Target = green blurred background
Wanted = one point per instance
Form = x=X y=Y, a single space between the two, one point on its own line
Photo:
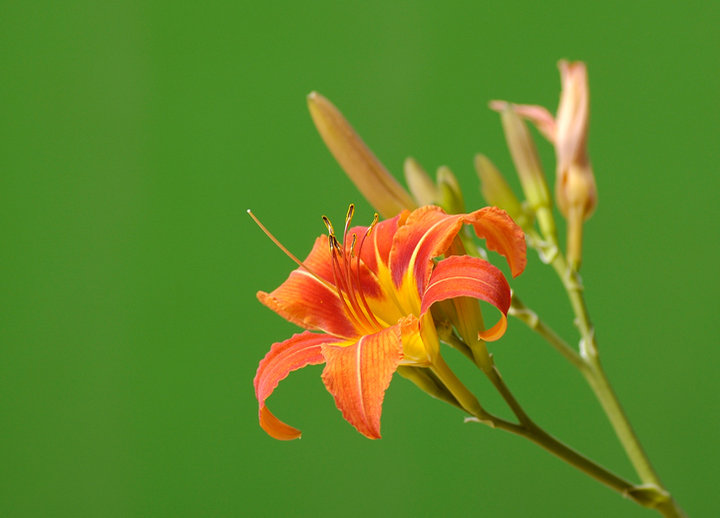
x=136 y=134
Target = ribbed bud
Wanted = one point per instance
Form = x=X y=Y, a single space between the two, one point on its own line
x=527 y=162
x=451 y=198
x=421 y=186
x=364 y=169
x=496 y=190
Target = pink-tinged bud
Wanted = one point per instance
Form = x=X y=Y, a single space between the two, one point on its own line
x=575 y=187
x=575 y=184
x=364 y=169
x=496 y=190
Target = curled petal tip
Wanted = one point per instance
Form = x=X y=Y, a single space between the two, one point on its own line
x=275 y=428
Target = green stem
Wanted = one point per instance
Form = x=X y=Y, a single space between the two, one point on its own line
x=653 y=496
x=527 y=429
x=496 y=379
x=466 y=398
x=648 y=496
x=533 y=432
x=597 y=379
x=531 y=319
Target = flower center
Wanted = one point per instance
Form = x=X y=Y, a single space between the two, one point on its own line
x=347 y=268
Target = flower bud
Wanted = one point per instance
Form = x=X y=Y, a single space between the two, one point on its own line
x=575 y=188
x=364 y=169
x=526 y=160
x=451 y=198
x=496 y=190
x=422 y=187
x=426 y=380
x=575 y=184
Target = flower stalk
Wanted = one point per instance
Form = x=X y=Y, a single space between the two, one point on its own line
x=587 y=361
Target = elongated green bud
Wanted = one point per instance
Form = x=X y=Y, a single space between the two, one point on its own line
x=428 y=382
x=526 y=160
x=451 y=198
x=422 y=187
x=496 y=190
x=364 y=169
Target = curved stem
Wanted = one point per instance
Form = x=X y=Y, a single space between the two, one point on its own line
x=648 y=496
x=467 y=399
x=653 y=496
x=596 y=378
x=520 y=311
x=595 y=375
x=496 y=379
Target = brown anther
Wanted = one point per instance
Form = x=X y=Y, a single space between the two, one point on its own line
x=352 y=244
x=349 y=216
x=329 y=226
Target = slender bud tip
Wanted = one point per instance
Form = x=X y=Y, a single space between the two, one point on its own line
x=498 y=106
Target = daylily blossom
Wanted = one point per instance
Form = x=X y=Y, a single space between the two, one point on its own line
x=365 y=301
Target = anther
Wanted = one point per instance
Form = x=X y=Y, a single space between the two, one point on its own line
x=348 y=218
x=372 y=225
x=329 y=226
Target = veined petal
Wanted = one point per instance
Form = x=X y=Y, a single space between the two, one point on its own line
x=284 y=357
x=376 y=250
x=501 y=235
x=466 y=276
x=307 y=301
x=427 y=233
x=358 y=375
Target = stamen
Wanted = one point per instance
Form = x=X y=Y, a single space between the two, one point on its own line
x=352 y=245
x=357 y=269
x=372 y=225
x=348 y=219
x=348 y=285
x=329 y=226
x=286 y=251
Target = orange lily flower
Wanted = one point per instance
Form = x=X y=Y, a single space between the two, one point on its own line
x=369 y=297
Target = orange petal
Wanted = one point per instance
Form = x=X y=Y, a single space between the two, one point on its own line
x=427 y=233
x=466 y=276
x=284 y=357
x=378 y=244
x=358 y=375
x=306 y=301
x=502 y=235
